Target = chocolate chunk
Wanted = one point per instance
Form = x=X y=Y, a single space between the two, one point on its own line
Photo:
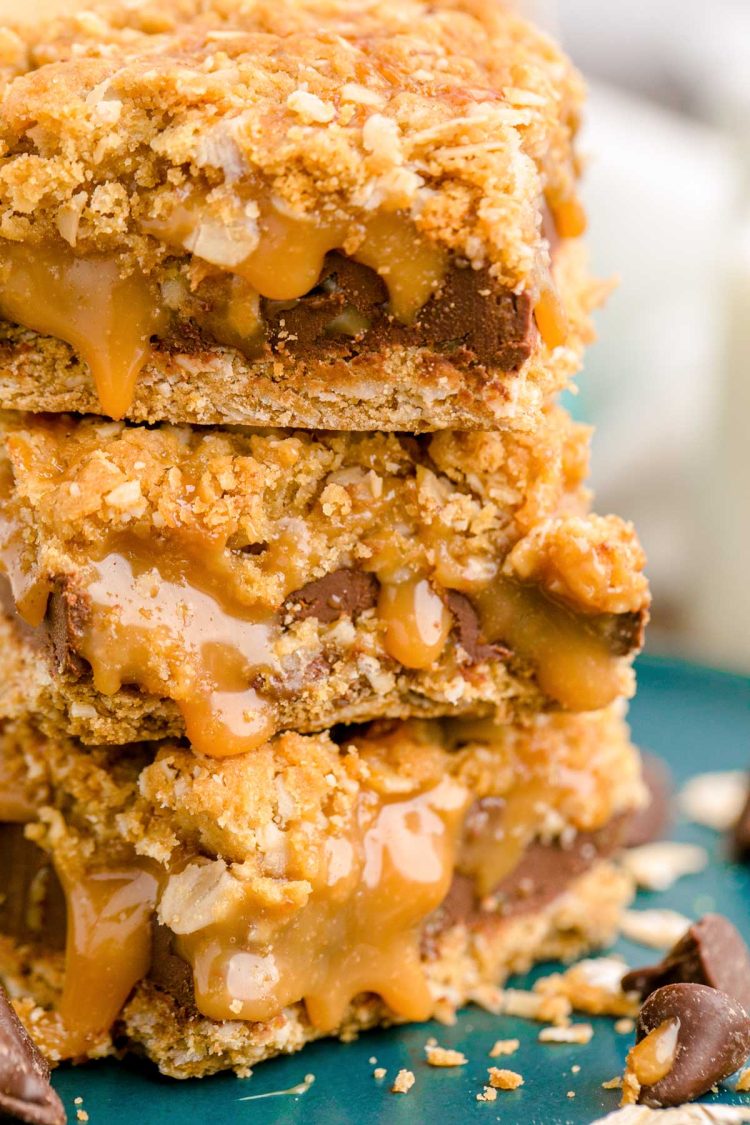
x=25 y=1090
x=346 y=592
x=67 y=614
x=713 y=1040
x=740 y=837
x=469 y=317
x=26 y=915
x=168 y=970
x=545 y=870
x=468 y=634
x=712 y=952
x=652 y=821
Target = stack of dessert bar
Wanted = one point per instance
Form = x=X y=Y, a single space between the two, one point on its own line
x=314 y=654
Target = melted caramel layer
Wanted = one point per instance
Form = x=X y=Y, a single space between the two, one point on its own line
x=108 y=319
x=107 y=951
x=358 y=931
x=573 y=666
x=288 y=258
x=160 y=631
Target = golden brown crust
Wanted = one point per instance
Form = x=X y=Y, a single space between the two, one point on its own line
x=458 y=112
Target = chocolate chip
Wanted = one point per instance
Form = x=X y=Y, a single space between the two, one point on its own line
x=25 y=1090
x=467 y=630
x=713 y=1040
x=740 y=838
x=651 y=822
x=712 y=952
x=345 y=592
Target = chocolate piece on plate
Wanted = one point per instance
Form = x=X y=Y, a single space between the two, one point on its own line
x=25 y=1090
x=688 y=1038
x=712 y=952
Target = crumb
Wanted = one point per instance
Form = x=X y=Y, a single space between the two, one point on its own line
x=657 y=866
x=576 y=1033
x=631 y=1088
x=592 y=986
x=571 y=1093
x=404 y=1081
x=78 y=1100
x=743 y=1082
x=519 y=1002
x=714 y=799
x=612 y=1083
x=444 y=1056
x=501 y=1079
x=575 y=1069
x=82 y=1115
x=504 y=1047
x=660 y=929
x=379 y=1072
x=372 y=1060
x=489 y=1094
x=624 y=1026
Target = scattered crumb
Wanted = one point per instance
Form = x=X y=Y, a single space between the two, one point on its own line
x=659 y=929
x=714 y=799
x=78 y=1100
x=612 y=1083
x=624 y=1026
x=489 y=1094
x=571 y=1093
x=444 y=1056
x=743 y=1082
x=404 y=1081
x=576 y=1033
x=82 y=1115
x=526 y=1005
x=592 y=986
x=630 y=1087
x=501 y=1079
x=379 y=1072
x=657 y=866
x=575 y=1069
x=504 y=1047
x=372 y=1060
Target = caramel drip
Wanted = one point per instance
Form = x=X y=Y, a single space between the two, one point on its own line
x=358 y=931
x=499 y=832
x=573 y=666
x=417 y=622
x=569 y=217
x=162 y=632
x=653 y=1058
x=550 y=318
x=288 y=259
x=107 y=951
x=108 y=318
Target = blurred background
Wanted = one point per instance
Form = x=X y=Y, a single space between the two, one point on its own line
x=667 y=137
x=668 y=383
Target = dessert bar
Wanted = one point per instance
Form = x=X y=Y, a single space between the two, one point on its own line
x=228 y=584
x=224 y=214
x=220 y=912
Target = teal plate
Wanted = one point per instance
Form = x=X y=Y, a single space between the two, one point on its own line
x=695 y=718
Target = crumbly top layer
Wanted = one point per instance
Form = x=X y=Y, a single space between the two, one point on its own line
x=454 y=112
x=341 y=498
x=271 y=809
